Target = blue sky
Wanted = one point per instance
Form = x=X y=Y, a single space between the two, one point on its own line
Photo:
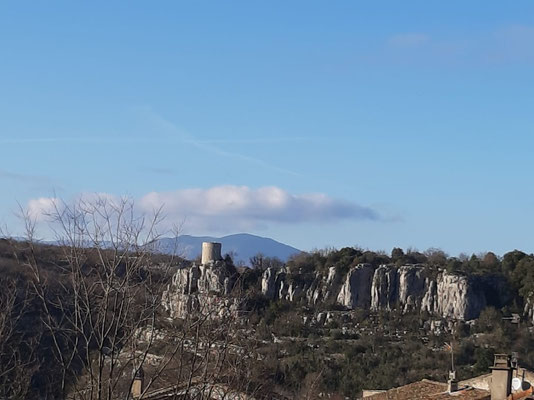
x=316 y=123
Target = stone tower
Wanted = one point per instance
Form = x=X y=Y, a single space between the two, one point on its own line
x=211 y=252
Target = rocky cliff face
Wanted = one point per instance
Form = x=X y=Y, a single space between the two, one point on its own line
x=529 y=308
x=453 y=296
x=357 y=287
x=402 y=287
x=199 y=289
x=276 y=285
x=406 y=288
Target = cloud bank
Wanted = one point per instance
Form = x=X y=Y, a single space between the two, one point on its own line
x=230 y=208
x=507 y=44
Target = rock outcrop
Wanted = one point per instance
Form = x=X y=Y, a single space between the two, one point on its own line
x=453 y=296
x=356 y=290
x=528 y=309
x=398 y=287
x=207 y=288
x=275 y=285
x=200 y=288
x=406 y=288
x=271 y=283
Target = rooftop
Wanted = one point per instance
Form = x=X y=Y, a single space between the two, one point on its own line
x=429 y=390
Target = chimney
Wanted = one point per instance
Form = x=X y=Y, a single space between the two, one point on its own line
x=501 y=377
x=211 y=251
x=452 y=383
x=138 y=381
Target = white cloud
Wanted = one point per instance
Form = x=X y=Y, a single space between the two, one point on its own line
x=408 y=40
x=507 y=44
x=522 y=34
x=48 y=208
x=230 y=208
x=513 y=43
x=39 y=208
x=240 y=207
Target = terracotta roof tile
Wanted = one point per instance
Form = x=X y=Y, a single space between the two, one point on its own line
x=429 y=390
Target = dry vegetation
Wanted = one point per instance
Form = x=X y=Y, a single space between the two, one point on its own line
x=81 y=319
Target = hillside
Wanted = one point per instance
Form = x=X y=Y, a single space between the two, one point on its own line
x=332 y=322
x=340 y=321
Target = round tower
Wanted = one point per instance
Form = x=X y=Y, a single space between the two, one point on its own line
x=211 y=251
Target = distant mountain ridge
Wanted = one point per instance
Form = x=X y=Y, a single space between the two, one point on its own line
x=243 y=246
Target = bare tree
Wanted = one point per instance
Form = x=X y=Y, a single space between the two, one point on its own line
x=17 y=355
x=108 y=289
x=104 y=317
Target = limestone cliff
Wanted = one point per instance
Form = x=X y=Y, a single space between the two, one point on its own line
x=357 y=287
x=416 y=288
x=453 y=296
x=405 y=288
x=529 y=308
x=199 y=288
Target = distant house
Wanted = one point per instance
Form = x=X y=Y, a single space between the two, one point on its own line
x=505 y=382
